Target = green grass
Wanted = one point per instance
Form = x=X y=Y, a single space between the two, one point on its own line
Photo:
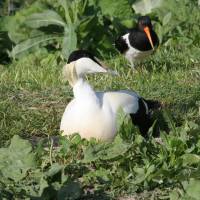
x=33 y=97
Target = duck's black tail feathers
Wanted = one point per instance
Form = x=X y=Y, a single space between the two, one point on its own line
x=143 y=117
x=152 y=104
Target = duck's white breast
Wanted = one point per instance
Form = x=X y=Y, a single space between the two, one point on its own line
x=87 y=116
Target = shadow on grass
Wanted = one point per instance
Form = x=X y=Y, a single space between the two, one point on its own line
x=160 y=123
x=97 y=195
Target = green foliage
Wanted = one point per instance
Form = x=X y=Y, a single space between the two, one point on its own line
x=46 y=18
x=176 y=25
x=111 y=8
x=16 y=160
x=14 y=25
x=32 y=44
x=193 y=188
x=32 y=100
x=33 y=97
x=13 y=31
x=94 y=24
x=64 y=22
x=5 y=45
x=145 y=7
x=67 y=171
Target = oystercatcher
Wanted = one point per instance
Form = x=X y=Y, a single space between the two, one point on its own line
x=139 y=42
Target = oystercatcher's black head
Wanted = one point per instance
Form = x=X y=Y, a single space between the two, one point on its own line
x=144 y=24
x=144 y=21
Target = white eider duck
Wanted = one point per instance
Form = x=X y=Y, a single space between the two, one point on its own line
x=93 y=114
x=139 y=42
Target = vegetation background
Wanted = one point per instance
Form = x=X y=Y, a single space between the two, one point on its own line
x=36 y=38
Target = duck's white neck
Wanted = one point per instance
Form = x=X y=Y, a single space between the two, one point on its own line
x=82 y=90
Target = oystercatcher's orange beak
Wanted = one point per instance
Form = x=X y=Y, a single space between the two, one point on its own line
x=147 y=31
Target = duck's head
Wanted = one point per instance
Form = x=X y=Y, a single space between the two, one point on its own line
x=144 y=24
x=81 y=62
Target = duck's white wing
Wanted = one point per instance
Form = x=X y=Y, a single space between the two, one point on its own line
x=127 y=100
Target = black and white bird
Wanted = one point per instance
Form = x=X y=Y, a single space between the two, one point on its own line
x=139 y=42
x=93 y=114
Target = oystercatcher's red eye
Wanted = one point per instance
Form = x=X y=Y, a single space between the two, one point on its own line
x=141 y=23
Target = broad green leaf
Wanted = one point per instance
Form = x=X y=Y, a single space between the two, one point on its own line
x=76 y=139
x=146 y=6
x=43 y=185
x=28 y=45
x=105 y=151
x=125 y=127
x=191 y=124
x=120 y=9
x=190 y=159
x=174 y=195
x=69 y=41
x=17 y=159
x=100 y=174
x=121 y=115
x=69 y=191
x=150 y=170
x=65 y=5
x=193 y=188
x=140 y=175
x=117 y=148
x=167 y=18
x=46 y=18
x=95 y=152
x=54 y=169
x=15 y=25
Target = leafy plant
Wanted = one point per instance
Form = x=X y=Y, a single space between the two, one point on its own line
x=145 y=7
x=94 y=24
x=5 y=46
x=176 y=25
x=70 y=24
x=19 y=159
x=50 y=17
x=33 y=98
x=79 y=168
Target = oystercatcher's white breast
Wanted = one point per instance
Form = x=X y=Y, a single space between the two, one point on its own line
x=132 y=54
